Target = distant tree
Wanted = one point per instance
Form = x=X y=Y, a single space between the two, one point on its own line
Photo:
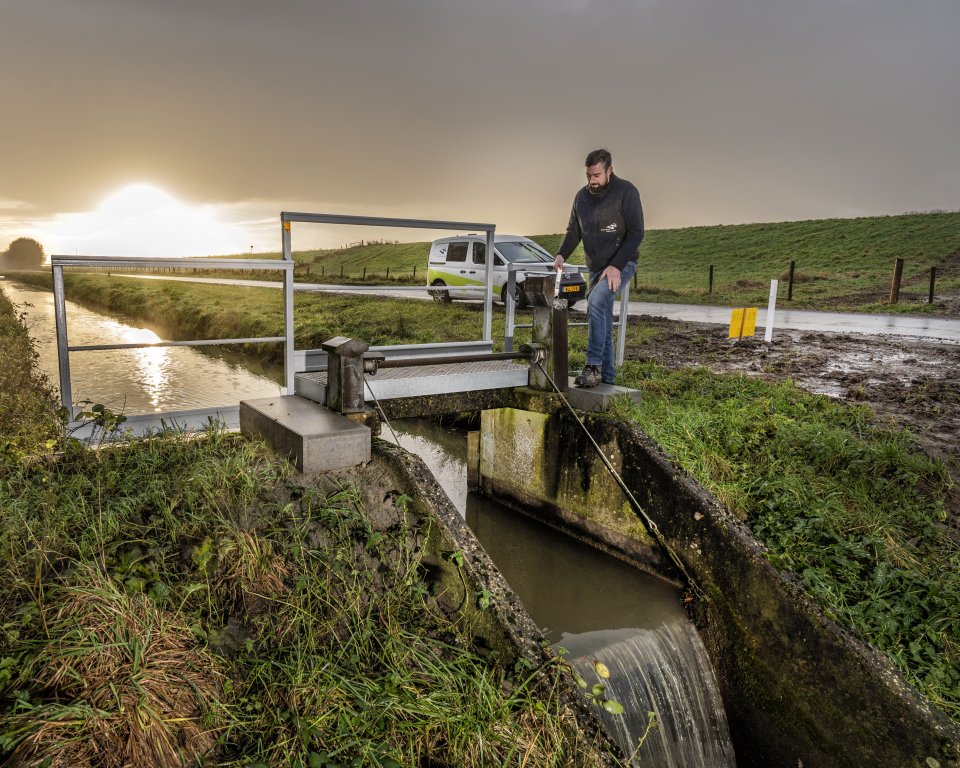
x=23 y=253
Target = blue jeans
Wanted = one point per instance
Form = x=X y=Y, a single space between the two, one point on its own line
x=600 y=315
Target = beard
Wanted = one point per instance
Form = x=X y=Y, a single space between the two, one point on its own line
x=598 y=189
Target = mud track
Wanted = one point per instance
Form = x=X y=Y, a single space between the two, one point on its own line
x=907 y=382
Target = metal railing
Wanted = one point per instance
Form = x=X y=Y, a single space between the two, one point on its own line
x=287 y=218
x=511 y=325
x=57 y=264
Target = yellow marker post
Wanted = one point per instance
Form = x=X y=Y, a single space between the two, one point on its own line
x=743 y=322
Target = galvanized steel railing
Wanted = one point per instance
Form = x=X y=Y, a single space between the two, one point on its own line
x=64 y=349
x=285 y=264
x=511 y=325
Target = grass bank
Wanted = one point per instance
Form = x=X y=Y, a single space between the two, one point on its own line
x=856 y=511
x=840 y=263
x=182 y=600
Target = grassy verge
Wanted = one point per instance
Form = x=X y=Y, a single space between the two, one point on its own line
x=181 y=600
x=855 y=510
x=27 y=417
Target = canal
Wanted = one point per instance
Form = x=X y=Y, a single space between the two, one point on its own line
x=137 y=381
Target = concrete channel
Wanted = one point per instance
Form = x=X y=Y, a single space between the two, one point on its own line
x=798 y=689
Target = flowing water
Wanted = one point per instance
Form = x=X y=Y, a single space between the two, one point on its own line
x=597 y=608
x=135 y=381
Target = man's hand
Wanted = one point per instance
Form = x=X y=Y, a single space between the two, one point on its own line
x=612 y=275
x=558 y=262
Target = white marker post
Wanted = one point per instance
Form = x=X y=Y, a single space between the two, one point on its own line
x=771 y=310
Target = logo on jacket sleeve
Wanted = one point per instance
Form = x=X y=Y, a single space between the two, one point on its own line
x=610 y=228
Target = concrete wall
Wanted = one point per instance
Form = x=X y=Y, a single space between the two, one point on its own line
x=544 y=464
x=503 y=631
x=799 y=690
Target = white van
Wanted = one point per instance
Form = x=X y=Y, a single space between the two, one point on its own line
x=461 y=261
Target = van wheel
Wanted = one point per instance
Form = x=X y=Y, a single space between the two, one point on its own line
x=519 y=297
x=571 y=302
x=441 y=297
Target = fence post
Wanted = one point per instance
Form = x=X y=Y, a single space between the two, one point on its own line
x=414 y=270
x=323 y=271
x=793 y=264
x=895 y=286
x=388 y=273
x=711 y=279
x=933 y=280
x=364 y=273
x=341 y=270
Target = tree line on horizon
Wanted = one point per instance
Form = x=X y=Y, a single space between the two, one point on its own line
x=24 y=253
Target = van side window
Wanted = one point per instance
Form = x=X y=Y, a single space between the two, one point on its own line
x=457 y=252
x=479 y=253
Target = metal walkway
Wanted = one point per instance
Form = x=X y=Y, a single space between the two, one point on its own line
x=419 y=381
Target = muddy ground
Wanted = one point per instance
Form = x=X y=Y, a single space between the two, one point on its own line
x=908 y=382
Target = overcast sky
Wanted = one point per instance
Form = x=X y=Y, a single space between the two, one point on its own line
x=720 y=111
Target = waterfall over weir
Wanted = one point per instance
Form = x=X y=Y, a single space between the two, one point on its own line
x=663 y=670
x=598 y=607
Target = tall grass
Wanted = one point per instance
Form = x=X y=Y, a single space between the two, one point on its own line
x=853 y=508
x=182 y=600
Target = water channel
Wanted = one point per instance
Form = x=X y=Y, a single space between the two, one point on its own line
x=136 y=381
x=596 y=607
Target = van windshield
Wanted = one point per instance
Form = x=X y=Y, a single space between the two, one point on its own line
x=519 y=252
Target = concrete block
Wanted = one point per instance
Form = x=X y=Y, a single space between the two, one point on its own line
x=315 y=438
x=598 y=398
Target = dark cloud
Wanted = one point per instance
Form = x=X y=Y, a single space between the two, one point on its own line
x=719 y=111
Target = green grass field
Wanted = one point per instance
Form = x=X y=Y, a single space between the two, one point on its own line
x=840 y=263
x=856 y=510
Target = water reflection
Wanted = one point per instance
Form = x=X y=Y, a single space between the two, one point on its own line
x=135 y=381
x=567 y=587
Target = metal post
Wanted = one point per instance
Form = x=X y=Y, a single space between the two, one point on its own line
x=488 y=294
x=63 y=355
x=511 y=309
x=549 y=331
x=933 y=280
x=895 y=285
x=793 y=264
x=711 y=279
x=622 y=324
x=771 y=310
x=288 y=345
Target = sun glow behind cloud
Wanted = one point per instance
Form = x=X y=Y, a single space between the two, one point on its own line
x=143 y=220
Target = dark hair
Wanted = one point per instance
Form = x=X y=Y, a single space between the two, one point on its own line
x=599 y=156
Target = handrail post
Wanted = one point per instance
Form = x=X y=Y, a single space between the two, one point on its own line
x=288 y=344
x=622 y=324
x=63 y=353
x=488 y=294
x=510 y=307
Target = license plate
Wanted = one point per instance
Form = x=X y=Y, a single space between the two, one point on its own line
x=571 y=289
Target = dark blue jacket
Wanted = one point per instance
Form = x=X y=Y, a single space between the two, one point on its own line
x=610 y=224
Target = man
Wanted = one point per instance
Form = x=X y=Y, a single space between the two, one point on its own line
x=608 y=218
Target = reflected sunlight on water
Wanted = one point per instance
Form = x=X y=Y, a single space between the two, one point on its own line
x=134 y=381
